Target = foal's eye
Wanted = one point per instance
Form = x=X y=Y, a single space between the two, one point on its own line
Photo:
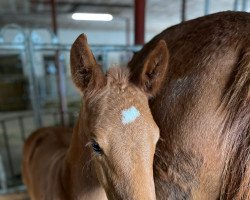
x=96 y=148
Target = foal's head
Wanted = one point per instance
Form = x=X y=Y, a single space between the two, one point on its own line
x=117 y=120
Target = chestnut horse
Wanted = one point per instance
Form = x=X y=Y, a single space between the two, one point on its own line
x=199 y=101
x=203 y=109
x=113 y=142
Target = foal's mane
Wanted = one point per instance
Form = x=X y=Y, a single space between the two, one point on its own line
x=236 y=176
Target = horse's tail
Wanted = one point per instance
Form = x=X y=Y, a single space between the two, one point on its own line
x=236 y=176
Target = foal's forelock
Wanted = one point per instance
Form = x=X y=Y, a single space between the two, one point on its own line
x=115 y=77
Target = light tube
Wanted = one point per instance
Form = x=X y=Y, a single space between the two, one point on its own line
x=92 y=16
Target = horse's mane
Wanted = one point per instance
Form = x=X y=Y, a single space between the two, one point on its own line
x=236 y=135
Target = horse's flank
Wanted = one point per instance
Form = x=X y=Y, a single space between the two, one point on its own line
x=203 y=110
x=46 y=147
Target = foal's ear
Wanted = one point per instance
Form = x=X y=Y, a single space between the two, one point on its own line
x=154 y=69
x=85 y=71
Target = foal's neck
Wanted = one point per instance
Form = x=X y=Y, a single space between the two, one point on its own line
x=79 y=174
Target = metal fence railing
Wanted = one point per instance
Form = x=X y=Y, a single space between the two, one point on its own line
x=13 y=138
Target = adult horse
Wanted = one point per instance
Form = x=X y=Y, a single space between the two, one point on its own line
x=203 y=109
x=113 y=142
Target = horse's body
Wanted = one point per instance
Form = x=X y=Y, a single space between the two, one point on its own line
x=202 y=111
x=48 y=169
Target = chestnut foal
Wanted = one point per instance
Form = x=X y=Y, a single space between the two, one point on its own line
x=110 y=153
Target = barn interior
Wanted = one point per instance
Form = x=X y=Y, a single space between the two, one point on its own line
x=36 y=89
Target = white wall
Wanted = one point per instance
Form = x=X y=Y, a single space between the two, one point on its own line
x=99 y=37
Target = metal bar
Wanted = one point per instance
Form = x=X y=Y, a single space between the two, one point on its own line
x=80 y=3
x=236 y=5
x=7 y=147
x=207 y=6
x=26 y=8
x=139 y=25
x=33 y=89
x=183 y=10
x=127 y=21
x=12 y=47
x=244 y=5
x=15 y=189
x=14 y=117
x=22 y=130
x=3 y=177
x=104 y=61
x=12 y=6
x=62 y=90
x=53 y=16
x=60 y=72
x=55 y=118
x=50 y=47
x=66 y=47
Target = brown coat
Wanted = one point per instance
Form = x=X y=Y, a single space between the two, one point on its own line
x=203 y=109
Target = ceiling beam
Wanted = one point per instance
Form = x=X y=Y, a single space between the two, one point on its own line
x=74 y=6
x=63 y=3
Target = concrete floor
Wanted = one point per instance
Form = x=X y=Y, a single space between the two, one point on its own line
x=16 y=196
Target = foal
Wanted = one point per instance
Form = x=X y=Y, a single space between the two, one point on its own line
x=110 y=153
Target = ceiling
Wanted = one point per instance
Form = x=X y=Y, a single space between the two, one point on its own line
x=159 y=13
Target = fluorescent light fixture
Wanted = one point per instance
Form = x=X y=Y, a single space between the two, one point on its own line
x=92 y=16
